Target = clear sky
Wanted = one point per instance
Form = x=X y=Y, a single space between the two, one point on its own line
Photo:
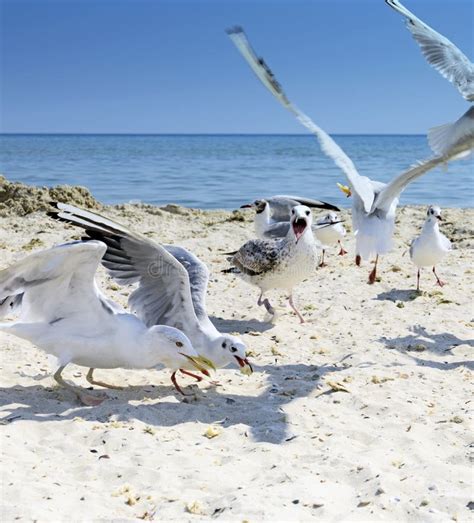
x=167 y=66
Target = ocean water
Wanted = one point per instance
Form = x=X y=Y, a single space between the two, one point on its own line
x=224 y=171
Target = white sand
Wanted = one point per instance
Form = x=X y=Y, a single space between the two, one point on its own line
x=395 y=447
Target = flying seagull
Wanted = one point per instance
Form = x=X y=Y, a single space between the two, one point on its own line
x=451 y=63
x=374 y=203
x=64 y=313
x=172 y=284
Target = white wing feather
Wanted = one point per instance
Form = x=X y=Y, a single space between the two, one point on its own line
x=440 y=52
x=360 y=184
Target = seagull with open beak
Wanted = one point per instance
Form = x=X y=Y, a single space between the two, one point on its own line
x=280 y=263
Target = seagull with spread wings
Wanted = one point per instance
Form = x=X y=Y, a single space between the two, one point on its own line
x=374 y=203
x=172 y=284
x=453 y=65
x=62 y=311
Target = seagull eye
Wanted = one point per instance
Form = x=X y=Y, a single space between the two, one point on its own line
x=179 y=344
x=293 y=211
x=307 y=213
x=233 y=349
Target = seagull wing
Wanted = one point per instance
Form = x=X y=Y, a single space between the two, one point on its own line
x=392 y=190
x=257 y=257
x=163 y=295
x=440 y=52
x=444 y=137
x=198 y=274
x=56 y=282
x=281 y=205
x=360 y=185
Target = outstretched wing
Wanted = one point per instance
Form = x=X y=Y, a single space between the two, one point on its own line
x=281 y=205
x=392 y=190
x=257 y=256
x=359 y=184
x=54 y=281
x=163 y=295
x=440 y=52
x=198 y=275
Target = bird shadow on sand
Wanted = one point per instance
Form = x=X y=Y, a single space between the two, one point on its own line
x=241 y=326
x=398 y=295
x=262 y=415
x=422 y=341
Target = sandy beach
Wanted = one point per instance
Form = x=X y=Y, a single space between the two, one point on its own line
x=360 y=414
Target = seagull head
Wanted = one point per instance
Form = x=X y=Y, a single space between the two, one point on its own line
x=434 y=214
x=300 y=220
x=329 y=218
x=234 y=352
x=172 y=348
x=258 y=205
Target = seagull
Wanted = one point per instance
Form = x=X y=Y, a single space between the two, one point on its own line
x=374 y=203
x=431 y=246
x=172 y=284
x=329 y=230
x=63 y=312
x=272 y=215
x=279 y=264
x=451 y=63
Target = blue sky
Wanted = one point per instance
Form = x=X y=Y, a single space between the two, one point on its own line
x=166 y=66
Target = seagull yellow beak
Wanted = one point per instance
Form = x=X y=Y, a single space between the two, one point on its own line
x=200 y=362
x=345 y=189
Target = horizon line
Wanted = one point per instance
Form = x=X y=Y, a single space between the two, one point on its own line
x=197 y=134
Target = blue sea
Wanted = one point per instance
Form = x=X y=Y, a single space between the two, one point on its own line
x=224 y=171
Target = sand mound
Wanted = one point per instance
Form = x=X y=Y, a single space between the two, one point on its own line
x=18 y=199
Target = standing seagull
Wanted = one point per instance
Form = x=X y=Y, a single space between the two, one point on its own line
x=172 y=284
x=431 y=246
x=451 y=63
x=374 y=203
x=63 y=312
x=329 y=230
x=279 y=264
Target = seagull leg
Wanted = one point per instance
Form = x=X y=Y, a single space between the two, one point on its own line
x=438 y=281
x=199 y=378
x=373 y=273
x=322 y=264
x=357 y=260
x=87 y=399
x=195 y=376
x=267 y=304
x=342 y=251
x=297 y=312
x=92 y=381
x=418 y=281
x=175 y=383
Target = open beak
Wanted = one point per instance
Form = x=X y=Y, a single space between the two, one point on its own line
x=299 y=227
x=245 y=366
x=200 y=362
x=246 y=206
x=345 y=189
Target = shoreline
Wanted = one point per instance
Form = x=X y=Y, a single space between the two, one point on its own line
x=393 y=446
